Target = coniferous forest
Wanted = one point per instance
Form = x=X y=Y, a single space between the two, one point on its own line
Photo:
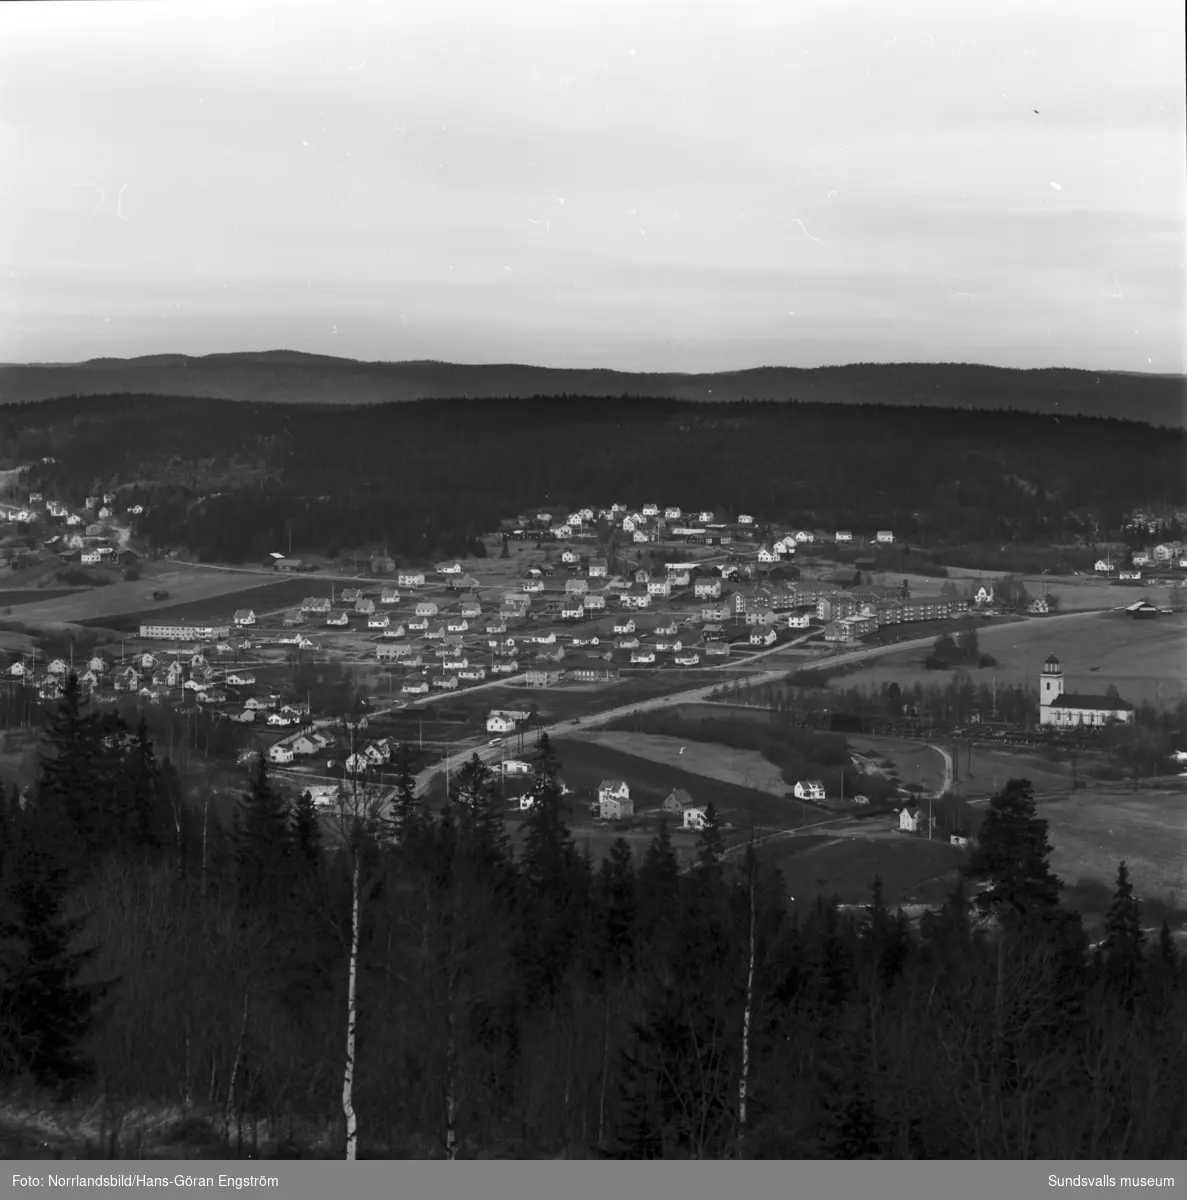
x=390 y=981
x=430 y=478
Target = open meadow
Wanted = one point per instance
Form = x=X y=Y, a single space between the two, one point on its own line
x=1146 y=660
x=584 y=764
x=745 y=768
x=1091 y=832
x=184 y=583
x=909 y=761
x=912 y=868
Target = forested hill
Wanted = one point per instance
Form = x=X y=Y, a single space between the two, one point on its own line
x=231 y=479
x=292 y=377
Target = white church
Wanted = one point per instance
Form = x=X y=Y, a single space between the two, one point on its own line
x=1066 y=710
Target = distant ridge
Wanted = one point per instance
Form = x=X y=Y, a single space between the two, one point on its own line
x=290 y=376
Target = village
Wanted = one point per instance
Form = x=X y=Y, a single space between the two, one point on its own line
x=577 y=605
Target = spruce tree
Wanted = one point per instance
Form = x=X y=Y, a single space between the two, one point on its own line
x=307 y=832
x=264 y=844
x=404 y=807
x=145 y=800
x=1011 y=859
x=1123 y=949
x=659 y=884
x=46 y=1013
x=616 y=909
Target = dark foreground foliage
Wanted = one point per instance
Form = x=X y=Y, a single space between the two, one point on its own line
x=539 y=1003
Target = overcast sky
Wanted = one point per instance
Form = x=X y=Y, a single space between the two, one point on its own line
x=651 y=185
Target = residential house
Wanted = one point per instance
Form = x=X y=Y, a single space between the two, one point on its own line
x=809 y=789
x=364 y=605
x=532 y=586
x=1129 y=575
x=843 y=535
x=389 y=595
x=471 y=609
x=695 y=817
x=642 y=657
x=89 y=558
x=687 y=658
x=338 y=618
x=280 y=753
x=449 y=568
x=627 y=626
x=850 y=629
x=378 y=621
x=672 y=513
x=659 y=587
x=798 y=621
x=352 y=595
x=598 y=568
x=707 y=589
x=240 y=678
x=415 y=687
x=766 y=554
x=572 y=610
x=1103 y=566
x=763 y=637
x=576 y=587
x=108 y=497
x=410 y=579
x=909 y=819
x=316 y=604
x=595 y=602
x=705 y=517
x=447 y=683
x=884 y=537
x=613 y=790
x=74 y=519
x=497 y=627
x=1038 y=606
x=677 y=801
x=543 y=677
x=457 y=625
x=426 y=608
x=245 y=616
x=983 y=595
x=715 y=613
x=745 y=519
x=137 y=510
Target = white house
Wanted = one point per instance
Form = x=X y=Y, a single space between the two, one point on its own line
x=410 y=579
x=613 y=789
x=1140 y=558
x=449 y=568
x=843 y=535
x=1103 y=566
x=280 y=754
x=763 y=637
x=642 y=657
x=659 y=587
x=957 y=840
x=389 y=595
x=884 y=537
x=672 y=513
x=105 y=513
x=338 y=618
x=707 y=589
x=245 y=616
x=809 y=789
x=909 y=819
x=415 y=687
x=745 y=519
x=627 y=626
x=689 y=658
x=90 y=557
x=515 y=766
x=499 y=722
x=597 y=568
x=378 y=621
x=804 y=536
x=983 y=595
x=695 y=816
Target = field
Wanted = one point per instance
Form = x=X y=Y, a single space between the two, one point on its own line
x=912 y=868
x=584 y=764
x=1091 y=832
x=264 y=595
x=744 y=768
x=184 y=583
x=914 y=762
x=1144 y=659
x=15 y=597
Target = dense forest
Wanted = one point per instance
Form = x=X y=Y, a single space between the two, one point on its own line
x=231 y=481
x=402 y=982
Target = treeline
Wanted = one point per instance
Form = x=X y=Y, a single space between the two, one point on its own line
x=430 y=477
x=410 y=982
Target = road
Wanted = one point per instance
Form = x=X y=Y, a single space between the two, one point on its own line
x=947 y=767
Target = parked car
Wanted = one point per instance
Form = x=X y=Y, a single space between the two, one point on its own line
x=495 y=742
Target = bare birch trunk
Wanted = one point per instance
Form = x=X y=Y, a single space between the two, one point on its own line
x=451 y=1058
x=744 y=1081
x=352 y=1132
x=235 y=1068
x=605 y=1074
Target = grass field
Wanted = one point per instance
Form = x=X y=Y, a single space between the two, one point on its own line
x=585 y=764
x=263 y=597
x=185 y=585
x=744 y=768
x=912 y=869
x=914 y=762
x=1092 y=832
x=1145 y=659
x=15 y=597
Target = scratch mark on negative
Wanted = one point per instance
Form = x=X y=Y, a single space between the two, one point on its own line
x=797 y=221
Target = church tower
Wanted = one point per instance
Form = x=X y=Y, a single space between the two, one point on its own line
x=1050 y=681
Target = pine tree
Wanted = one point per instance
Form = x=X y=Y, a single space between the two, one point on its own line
x=1012 y=859
x=145 y=801
x=659 y=884
x=404 y=807
x=45 y=1012
x=616 y=909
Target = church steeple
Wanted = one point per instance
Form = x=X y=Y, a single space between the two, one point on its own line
x=1050 y=681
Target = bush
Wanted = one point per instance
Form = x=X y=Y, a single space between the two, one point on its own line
x=131 y=574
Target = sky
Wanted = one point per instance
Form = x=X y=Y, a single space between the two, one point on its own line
x=650 y=186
